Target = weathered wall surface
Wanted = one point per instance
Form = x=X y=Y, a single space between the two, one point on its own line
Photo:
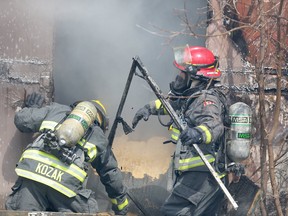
x=26 y=46
x=241 y=73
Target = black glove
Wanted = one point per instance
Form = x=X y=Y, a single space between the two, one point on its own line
x=144 y=113
x=191 y=136
x=34 y=100
x=237 y=168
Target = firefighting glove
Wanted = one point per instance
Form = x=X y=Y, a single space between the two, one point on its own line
x=237 y=168
x=191 y=136
x=34 y=100
x=144 y=113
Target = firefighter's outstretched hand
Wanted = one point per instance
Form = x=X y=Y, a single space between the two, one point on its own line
x=34 y=100
x=142 y=113
x=191 y=136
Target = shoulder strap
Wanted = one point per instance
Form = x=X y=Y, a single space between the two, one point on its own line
x=226 y=104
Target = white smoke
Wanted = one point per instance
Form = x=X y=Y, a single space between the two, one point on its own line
x=96 y=40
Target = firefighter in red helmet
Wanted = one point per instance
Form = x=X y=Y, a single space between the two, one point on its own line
x=202 y=107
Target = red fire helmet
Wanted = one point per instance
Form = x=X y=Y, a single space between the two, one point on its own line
x=197 y=59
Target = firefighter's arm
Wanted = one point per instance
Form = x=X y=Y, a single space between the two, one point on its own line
x=205 y=114
x=29 y=119
x=191 y=136
x=153 y=108
x=34 y=100
x=110 y=175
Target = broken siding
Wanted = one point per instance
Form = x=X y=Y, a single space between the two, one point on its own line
x=26 y=47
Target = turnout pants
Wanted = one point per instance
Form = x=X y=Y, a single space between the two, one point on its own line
x=194 y=194
x=30 y=195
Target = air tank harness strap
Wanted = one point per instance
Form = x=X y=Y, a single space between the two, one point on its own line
x=52 y=125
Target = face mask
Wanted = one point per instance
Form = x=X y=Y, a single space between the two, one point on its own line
x=180 y=84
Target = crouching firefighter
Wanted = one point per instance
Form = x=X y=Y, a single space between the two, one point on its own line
x=52 y=171
x=202 y=107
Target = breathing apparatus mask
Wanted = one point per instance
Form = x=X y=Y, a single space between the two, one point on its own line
x=181 y=83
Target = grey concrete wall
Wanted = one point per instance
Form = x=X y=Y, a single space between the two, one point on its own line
x=26 y=47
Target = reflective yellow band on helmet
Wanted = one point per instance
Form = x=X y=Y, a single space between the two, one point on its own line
x=50 y=125
x=57 y=186
x=207 y=133
x=193 y=162
x=91 y=149
x=53 y=161
x=121 y=205
x=158 y=105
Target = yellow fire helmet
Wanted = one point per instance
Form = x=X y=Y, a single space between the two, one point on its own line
x=101 y=115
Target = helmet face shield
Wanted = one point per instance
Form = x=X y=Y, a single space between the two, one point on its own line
x=182 y=57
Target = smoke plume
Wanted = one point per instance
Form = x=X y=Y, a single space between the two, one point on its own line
x=96 y=40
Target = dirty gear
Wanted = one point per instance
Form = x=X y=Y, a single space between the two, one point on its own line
x=142 y=113
x=34 y=196
x=205 y=113
x=34 y=100
x=195 y=190
x=195 y=193
x=45 y=169
x=191 y=136
x=120 y=206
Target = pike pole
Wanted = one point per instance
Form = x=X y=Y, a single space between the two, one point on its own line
x=180 y=125
x=126 y=128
